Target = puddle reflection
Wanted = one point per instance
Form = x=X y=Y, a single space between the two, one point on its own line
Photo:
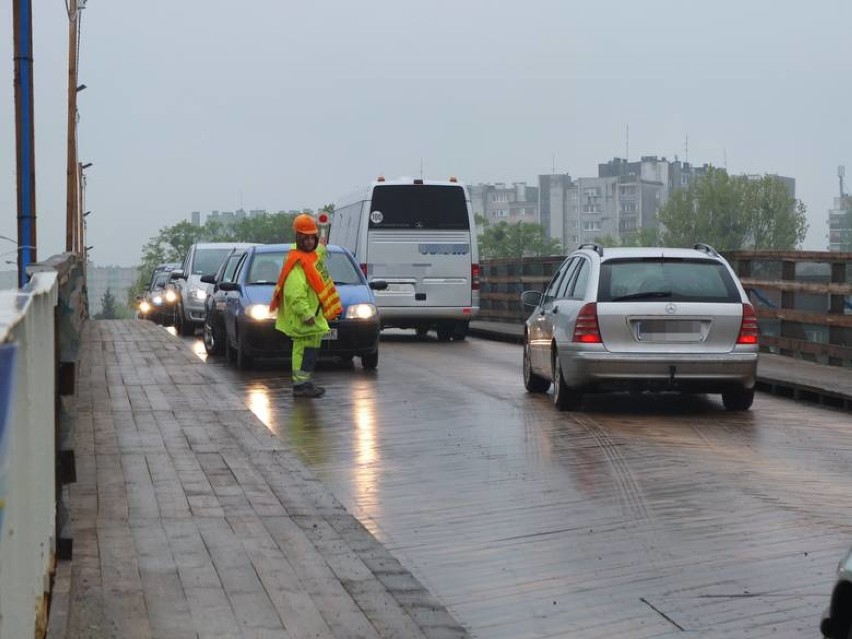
x=258 y=403
x=367 y=455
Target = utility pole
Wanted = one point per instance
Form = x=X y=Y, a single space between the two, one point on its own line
x=72 y=241
x=25 y=136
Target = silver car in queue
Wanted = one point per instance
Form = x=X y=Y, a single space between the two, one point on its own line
x=645 y=318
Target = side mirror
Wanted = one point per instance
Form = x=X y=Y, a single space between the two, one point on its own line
x=379 y=285
x=229 y=286
x=209 y=278
x=531 y=299
x=177 y=274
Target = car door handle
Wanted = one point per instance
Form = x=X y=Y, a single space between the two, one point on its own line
x=555 y=310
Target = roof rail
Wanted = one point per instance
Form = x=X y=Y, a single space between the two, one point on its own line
x=597 y=248
x=706 y=248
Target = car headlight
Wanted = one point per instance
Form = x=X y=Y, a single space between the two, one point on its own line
x=171 y=296
x=198 y=293
x=144 y=307
x=260 y=312
x=157 y=299
x=361 y=311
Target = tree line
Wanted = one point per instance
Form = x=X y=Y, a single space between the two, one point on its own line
x=728 y=212
x=172 y=243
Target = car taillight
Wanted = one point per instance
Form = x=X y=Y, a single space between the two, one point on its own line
x=474 y=277
x=363 y=269
x=586 y=329
x=749 y=331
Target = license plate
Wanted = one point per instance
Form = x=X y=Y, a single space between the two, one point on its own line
x=399 y=287
x=670 y=330
x=332 y=334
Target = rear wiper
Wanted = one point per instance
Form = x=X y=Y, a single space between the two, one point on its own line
x=637 y=296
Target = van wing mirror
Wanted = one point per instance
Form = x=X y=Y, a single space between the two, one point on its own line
x=229 y=286
x=379 y=285
x=208 y=278
x=531 y=299
x=177 y=274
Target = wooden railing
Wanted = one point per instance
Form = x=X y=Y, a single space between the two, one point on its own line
x=803 y=298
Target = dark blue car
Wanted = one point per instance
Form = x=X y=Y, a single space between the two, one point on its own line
x=249 y=328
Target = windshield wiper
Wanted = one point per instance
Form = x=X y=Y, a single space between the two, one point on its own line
x=260 y=283
x=637 y=296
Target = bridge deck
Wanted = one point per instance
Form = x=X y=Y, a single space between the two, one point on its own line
x=191 y=519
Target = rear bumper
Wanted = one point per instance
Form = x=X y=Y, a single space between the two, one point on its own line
x=411 y=316
x=710 y=372
x=353 y=338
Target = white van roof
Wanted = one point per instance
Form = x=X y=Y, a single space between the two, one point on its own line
x=364 y=193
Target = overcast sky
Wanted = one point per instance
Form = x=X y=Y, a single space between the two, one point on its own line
x=206 y=104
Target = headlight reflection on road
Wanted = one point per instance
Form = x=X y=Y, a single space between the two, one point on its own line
x=258 y=403
x=366 y=455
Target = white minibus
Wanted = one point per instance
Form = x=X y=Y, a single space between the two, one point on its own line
x=418 y=236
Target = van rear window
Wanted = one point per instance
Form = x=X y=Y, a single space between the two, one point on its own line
x=419 y=206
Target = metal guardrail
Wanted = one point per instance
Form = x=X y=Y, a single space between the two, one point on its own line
x=803 y=298
x=31 y=334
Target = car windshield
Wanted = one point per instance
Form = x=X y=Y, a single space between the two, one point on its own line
x=207 y=260
x=265 y=268
x=160 y=281
x=650 y=279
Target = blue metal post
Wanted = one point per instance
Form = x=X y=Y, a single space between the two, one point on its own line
x=25 y=135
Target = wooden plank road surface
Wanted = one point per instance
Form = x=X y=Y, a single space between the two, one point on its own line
x=650 y=516
x=191 y=520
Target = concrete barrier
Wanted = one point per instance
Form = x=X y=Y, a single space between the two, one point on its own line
x=31 y=321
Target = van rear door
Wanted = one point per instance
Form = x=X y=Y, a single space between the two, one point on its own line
x=419 y=241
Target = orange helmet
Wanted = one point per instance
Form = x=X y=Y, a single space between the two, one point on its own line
x=305 y=224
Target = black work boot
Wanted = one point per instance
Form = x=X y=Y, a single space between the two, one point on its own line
x=308 y=389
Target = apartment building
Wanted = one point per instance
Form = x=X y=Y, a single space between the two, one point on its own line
x=500 y=202
x=622 y=200
x=840 y=224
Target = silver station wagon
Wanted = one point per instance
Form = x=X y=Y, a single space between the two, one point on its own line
x=656 y=319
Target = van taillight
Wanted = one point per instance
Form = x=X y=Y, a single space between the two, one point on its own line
x=364 y=269
x=474 y=277
x=586 y=329
x=749 y=331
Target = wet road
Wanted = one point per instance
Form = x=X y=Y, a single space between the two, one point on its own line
x=644 y=516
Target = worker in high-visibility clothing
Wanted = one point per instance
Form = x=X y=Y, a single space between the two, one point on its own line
x=305 y=299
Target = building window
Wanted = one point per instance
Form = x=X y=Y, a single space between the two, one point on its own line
x=591 y=225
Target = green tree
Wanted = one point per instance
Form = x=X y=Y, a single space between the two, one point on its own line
x=775 y=219
x=732 y=213
x=172 y=242
x=515 y=240
x=108 y=308
x=709 y=210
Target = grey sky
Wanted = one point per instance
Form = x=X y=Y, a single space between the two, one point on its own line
x=195 y=104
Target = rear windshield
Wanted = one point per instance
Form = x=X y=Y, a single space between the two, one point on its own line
x=266 y=267
x=207 y=260
x=419 y=206
x=678 y=280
